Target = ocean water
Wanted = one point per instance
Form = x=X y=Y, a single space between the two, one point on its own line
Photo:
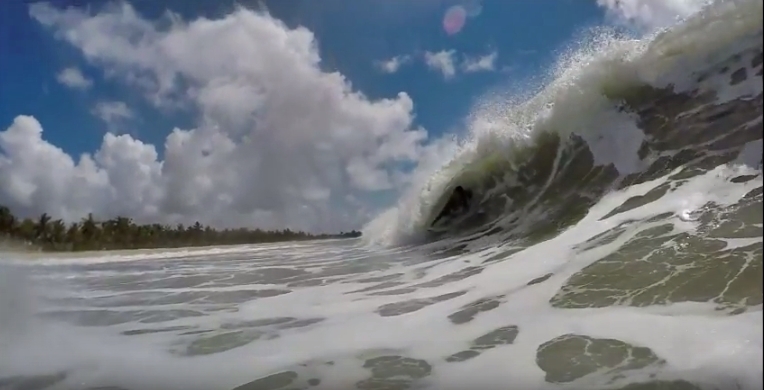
x=617 y=245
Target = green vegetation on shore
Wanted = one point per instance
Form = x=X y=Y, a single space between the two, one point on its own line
x=122 y=233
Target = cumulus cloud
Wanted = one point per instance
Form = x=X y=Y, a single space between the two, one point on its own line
x=73 y=78
x=651 y=14
x=442 y=61
x=39 y=177
x=445 y=63
x=278 y=142
x=112 y=113
x=480 y=64
x=392 y=65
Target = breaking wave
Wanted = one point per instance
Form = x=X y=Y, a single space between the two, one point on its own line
x=617 y=246
x=618 y=112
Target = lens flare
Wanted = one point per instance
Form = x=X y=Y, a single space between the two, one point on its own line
x=454 y=19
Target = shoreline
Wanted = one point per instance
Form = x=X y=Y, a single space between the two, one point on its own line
x=7 y=247
x=48 y=235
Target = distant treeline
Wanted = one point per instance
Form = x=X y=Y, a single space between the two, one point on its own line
x=122 y=233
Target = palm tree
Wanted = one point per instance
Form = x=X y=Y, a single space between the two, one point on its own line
x=73 y=237
x=41 y=230
x=123 y=233
x=90 y=230
x=7 y=220
x=58 y=232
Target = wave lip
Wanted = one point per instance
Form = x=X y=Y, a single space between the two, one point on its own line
x=617 y=113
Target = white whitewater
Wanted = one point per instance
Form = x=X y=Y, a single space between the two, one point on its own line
x=648 y=276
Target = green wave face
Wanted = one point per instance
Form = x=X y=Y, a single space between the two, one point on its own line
x=535 y=188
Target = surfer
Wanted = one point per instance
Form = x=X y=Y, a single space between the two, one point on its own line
x=458 y=202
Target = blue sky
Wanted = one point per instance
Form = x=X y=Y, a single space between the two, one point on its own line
x=352 y=35
x=106 y=91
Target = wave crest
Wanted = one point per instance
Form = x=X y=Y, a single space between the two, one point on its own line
x=617 y=111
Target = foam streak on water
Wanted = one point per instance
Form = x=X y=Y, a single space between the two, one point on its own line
x=619 y=247
x=355 y=318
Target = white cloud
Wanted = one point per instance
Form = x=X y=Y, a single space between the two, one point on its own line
x=392 y=65
x=651 y=14
x=480 y=64
x=112 y=113
x=442 y=61
x=73 y=78
x=278 y=142
x=39 y=177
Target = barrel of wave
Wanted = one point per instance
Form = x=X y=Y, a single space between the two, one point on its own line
x=480 y=177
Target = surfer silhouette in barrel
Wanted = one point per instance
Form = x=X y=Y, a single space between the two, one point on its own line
x=458 y=202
